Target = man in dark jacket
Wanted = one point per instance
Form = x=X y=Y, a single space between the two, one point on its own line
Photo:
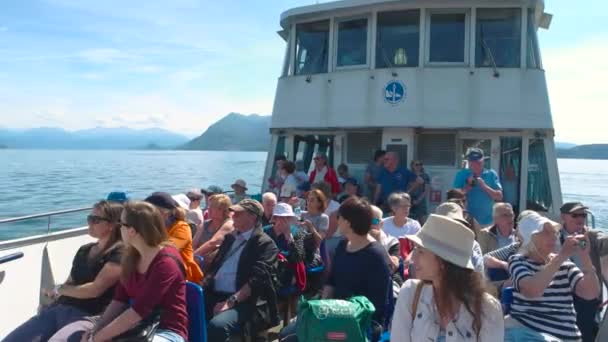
x=574 y=217
x=240 y=283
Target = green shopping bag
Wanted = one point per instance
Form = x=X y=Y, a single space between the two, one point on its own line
x=328 y=320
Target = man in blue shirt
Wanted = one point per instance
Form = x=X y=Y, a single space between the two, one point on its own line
x=392 y=178
x=481 y=186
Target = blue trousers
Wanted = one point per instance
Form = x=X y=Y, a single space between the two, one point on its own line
x=585 y=317
x=45 y=324
x=226 y=324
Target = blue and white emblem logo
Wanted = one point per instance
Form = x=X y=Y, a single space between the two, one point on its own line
x=394 y=92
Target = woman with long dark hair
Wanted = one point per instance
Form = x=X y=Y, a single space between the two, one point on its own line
x=152 y=280
x=449 y=301
x=88 y=290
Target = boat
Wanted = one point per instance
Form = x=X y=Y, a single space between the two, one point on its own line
x=426 y=79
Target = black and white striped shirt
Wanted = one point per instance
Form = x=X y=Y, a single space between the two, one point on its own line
x=552 y=313
x=505 y=252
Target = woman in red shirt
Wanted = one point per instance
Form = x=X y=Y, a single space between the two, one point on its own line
x=152 y=280
x=324 y=173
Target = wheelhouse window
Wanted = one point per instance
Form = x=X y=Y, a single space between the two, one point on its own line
x=312 y=41
x=398 y=39
x=533 y=54
x=352 y=43
x=436 y=149
x=448 y=38
x=306 y=146
x=498 y=37
x=539 y=186
x=361 y=146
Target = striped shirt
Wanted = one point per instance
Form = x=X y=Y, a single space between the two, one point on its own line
x=505 y=252
x=552 y=313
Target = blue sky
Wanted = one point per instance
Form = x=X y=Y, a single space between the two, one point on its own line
x=183 y=64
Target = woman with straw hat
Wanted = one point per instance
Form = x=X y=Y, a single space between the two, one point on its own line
x=448 y=302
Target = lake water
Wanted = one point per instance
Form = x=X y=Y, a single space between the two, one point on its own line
x=37 y=181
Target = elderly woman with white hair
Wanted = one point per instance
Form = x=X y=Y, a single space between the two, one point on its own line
x=544 y=283
x=399 y=225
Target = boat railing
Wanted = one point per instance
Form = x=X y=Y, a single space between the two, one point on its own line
x=49 y=236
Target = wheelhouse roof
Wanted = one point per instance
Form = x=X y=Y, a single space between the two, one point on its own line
x=301 y=13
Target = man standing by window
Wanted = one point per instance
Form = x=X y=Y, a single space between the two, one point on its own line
x=481 y=186
x=393 y=178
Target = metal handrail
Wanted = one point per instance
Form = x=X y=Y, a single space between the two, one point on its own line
x=49 y=214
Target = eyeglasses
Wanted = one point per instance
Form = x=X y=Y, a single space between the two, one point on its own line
x=417 y=164
x=584 y=215
x=96 y=219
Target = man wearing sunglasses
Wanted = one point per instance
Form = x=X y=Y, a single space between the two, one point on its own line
x=574 y=219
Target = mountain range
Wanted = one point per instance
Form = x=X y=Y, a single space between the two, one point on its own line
x=94 y=138
x=234 y=132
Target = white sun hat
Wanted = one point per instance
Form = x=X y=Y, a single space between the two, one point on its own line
x=283 y=210
x=447 y=238
x=182 y=200
x=531 y=224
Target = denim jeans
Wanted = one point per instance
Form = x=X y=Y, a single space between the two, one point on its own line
x=226 y=324
x=46 y=323
x=517 y=332
x=164 y=335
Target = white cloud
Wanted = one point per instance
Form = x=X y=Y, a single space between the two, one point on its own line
x=105 y=55
x=576 y=77
x=3 y=29
x=93 y=76
x=146 y=69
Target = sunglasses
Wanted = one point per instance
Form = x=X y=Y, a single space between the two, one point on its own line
x=375 y=220
x=579 y=215
x=124 y=224
x=417 y=164
x=96 y=219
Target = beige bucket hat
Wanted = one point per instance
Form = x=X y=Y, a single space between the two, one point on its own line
x=447 y=238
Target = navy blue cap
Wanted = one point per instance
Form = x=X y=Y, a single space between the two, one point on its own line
x=475 y=154
x=352 y=181
x=162 y=200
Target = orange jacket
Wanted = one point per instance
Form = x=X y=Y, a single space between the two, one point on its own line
x=180 y=235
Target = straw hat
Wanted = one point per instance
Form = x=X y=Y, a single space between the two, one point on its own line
x=240 y=183
x=447 y=238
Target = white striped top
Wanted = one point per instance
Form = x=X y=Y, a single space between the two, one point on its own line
x=552 y=313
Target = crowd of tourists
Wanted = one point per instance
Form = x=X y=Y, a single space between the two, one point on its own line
x=470 y=270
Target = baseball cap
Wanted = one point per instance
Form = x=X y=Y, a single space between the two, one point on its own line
x=475 y=154
x=212 y=189
x=162 y=200
x=352 y=181
x=571 y=207
x=250 y=205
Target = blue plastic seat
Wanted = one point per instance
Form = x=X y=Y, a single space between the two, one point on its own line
x=195 y=304
x=200 y=261
x=506 y=298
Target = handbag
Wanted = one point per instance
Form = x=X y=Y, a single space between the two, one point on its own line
x=143 y=332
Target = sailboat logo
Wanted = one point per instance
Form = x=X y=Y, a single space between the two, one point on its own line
x=394 y=92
